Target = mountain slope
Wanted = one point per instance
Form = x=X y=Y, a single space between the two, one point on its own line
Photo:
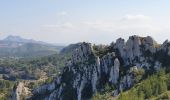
x=119 y=65
x=69 y=48
x=153 y=88
x=15 y=46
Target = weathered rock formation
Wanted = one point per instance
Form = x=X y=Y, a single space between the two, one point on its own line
x=20 y=92
x=92 y=67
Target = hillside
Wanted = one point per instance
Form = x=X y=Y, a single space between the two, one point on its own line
x=15 y=46
x=155 y=87
x=137 y=69
x=30 y=72
x=101 y=68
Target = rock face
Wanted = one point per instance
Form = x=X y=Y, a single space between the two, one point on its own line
x=114 y=73
x=88 y=72
x=19 y=92
x=135 y=49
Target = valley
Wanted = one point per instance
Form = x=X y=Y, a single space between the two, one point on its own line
x=84 y=50
x=122 y=71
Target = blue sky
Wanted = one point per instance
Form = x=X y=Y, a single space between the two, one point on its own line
x=96 y=21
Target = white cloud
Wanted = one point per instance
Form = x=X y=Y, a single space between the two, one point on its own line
x=106 y=30
x=131 y=23
x=138 y=17
x=62 y=13
x=64 y=28
x=128 y=21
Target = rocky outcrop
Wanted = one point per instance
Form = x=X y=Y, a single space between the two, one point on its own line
x=114 y=73
x=82 y=75
x=90 y=69
x=135 y=49
x=44 y=89
x=20 y=92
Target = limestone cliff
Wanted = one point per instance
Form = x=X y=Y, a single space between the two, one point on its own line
x=92 y=67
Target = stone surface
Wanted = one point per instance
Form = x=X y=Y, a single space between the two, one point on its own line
x=87 y=72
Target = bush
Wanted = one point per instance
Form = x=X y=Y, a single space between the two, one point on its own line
x=151 y=87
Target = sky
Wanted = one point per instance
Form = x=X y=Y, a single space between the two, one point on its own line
x=95 y=21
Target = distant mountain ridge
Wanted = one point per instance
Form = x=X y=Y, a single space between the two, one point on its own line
x=19 y=39
x=16 y=46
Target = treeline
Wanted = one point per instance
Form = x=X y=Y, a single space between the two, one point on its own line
x=31 y=68
x=155 y=86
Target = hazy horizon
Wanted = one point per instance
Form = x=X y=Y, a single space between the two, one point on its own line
x=97 y=21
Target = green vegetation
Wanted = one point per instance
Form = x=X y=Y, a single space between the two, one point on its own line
x=35 y=84
x=137 y=73
x=106 y=94
x=33 y=68
x=6 y=88
x=98 y=96
x=101 y=50
x=155 y=87
x=152 y=87
x=34 y=71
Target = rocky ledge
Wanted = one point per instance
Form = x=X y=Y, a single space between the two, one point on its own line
x=92 y=67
